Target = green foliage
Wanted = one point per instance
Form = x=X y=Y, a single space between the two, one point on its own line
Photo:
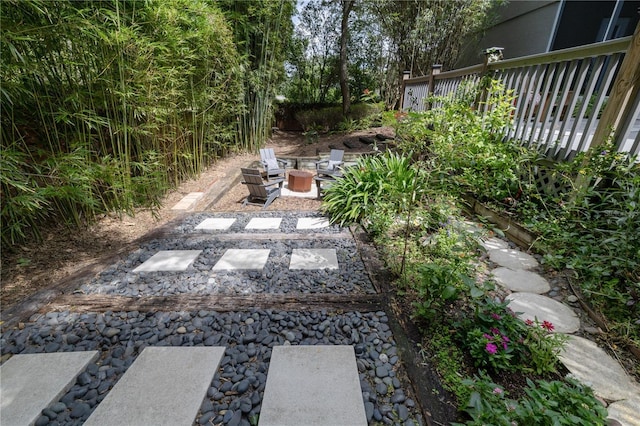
x=330 y=118
x=543 y=346
x=439 y=285
x=467 y=142
x=262 y=31
x=545 y=403
x=590 y=228
x=106 y=104
x=594 y=231
x=387 y=181
x=498 y=340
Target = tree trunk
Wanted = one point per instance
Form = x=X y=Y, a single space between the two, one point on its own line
x=347 y=5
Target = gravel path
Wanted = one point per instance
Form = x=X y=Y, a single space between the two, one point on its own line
x=235 y=394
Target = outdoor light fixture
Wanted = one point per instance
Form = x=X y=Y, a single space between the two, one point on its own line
x=493 y=54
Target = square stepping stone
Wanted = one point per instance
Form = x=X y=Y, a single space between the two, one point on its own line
x=169 y=260
x=188 y=201
x=234 y=259
x=164 y=386
x=30 y=382
x=264 y=223
x=314 y=259
x=215 y=224
x=312 y=193
x=312 y=385
x=312 y=223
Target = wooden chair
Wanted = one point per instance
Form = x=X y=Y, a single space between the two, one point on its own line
x=332 y=165
x=261 y=193
x=272 y=166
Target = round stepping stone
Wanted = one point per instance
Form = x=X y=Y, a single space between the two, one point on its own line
x=627 y=411
x=532 y=306
x=592 y=366
x=495 y=244
x=521 y=280
x=514 y=259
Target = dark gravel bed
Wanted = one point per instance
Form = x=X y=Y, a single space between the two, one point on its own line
x=288 y=224
x=199 y=278
x=236 y=391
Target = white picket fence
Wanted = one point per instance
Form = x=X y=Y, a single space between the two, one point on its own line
x=559 y=96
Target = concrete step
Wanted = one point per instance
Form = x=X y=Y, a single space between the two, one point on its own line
x=164 y=386
x=312 y=385
x=30 y=382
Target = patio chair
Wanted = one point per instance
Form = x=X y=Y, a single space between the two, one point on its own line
x=261 y=192
x=332 y=165
x=272 y=166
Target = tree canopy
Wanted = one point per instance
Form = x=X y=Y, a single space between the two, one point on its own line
x=383 y=38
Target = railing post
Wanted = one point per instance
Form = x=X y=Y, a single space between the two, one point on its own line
x=492 y=54
x=406 y=75
x=625 y=89
x=435 y=70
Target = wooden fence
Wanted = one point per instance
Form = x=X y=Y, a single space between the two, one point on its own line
x=565 y=101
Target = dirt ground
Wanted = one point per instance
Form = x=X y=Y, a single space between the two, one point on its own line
x=38 y=265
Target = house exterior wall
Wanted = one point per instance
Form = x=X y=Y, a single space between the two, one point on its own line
x=527 y=27
x=523 y=28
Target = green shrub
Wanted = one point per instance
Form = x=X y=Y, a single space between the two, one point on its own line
x=387 y=181
x=497 y=339
x=546 y=403
x=330 y=118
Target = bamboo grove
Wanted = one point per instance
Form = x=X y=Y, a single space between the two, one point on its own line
x=106 y=104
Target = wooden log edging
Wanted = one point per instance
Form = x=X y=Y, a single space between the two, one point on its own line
x=219 y=303
x=513 y=230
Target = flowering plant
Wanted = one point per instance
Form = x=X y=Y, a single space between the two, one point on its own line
x=543 y=345
x=491 y=348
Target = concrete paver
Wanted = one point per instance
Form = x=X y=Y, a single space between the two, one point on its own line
x=625 y=411
x=494 y=244
x=593 y=366
x=312 y=385
x=521 y=280
x=264 y=223
x=169 y=260
x=513 y=259
x=312 y=223
x=30 y=382
x=543 y=308
x=286 y=192
x=216 y=224
x=314 y=259
x=189 y=201
x=234 y=259
x=164 y=386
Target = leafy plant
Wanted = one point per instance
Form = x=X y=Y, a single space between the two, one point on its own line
x=497 y=339
x=543 y=346
x=546 y=403
x=385 y=181
x=439 y=285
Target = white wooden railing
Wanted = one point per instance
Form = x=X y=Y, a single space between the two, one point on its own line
x=560 y=97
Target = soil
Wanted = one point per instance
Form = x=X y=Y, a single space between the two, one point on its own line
x=38 y=265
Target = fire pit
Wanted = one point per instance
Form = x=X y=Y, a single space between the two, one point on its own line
x=300 y=181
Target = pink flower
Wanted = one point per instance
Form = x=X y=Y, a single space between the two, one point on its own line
x=497 y=391
x=491 y=348
x=547 y=325
x=528 y=322
x=496 y=316
x=487 y=336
